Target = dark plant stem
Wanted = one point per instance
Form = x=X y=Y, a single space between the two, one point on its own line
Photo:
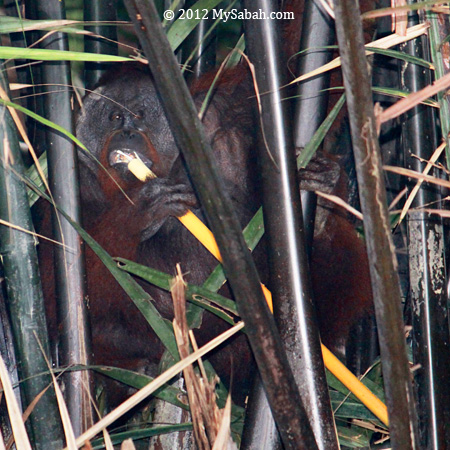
x=265 y=341
x=288 y=259
x=430 y=336
x=204 y=57
x=384 y=277
x=24 y=292
x=312 y=102
x=96 y=11
x=75 y=339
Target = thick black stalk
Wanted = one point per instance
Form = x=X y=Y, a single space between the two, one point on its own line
x=312 y=102
x=35 y=130
x=24 y=292
x=288 y=259
x=8 y=353
x=75 y=345
x=383 y=265
x=260 y=431
x=204 y=57
x=240 y=270
x=430 y=336
x=99 y=11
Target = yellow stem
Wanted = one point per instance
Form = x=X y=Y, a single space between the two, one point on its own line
x=354 y=385
x=204 y=235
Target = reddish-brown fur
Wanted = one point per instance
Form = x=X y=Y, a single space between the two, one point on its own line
x=146 y=230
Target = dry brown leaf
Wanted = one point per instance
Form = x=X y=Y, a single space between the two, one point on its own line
x=400 y=18
x=338 y=201
x=15 y=417
x=223 y=440
x=193 y=388
x=436 y=154
x=419 y=176
x=127 y=444
x=386 y=42
x=405 y=104
x=208 y=421
x=440 y=212
x=383 y=12
x=159 y=381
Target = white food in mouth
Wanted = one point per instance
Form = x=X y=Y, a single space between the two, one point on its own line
x=121 y=157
